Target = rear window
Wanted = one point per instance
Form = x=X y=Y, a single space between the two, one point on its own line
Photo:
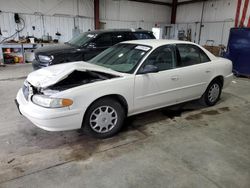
x=138 y=35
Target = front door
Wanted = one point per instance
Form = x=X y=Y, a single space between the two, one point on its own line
x=153 y=90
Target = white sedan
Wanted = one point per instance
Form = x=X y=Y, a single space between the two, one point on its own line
x=126 y=79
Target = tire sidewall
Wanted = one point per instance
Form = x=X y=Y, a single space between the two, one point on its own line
x=206 y=100
x=104 y=102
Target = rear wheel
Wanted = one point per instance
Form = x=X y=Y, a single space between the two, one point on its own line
x=212 y=94
x=104 y=118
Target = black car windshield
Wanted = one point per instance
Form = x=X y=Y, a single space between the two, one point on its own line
x=81 y=39
x=121 y=57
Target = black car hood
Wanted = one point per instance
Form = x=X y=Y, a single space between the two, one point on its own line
x=55 y=49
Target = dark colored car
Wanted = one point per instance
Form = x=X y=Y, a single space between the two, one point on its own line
x=85 y=46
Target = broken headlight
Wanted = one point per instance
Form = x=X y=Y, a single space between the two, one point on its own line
x=48 y=102
x=45 y=59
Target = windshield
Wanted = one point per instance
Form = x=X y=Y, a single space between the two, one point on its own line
x=81 y=39
x=121 y=57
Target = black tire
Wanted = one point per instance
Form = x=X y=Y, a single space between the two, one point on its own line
x=206 y=97
x=102 y=105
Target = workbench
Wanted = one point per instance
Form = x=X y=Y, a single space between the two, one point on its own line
x=18 y=50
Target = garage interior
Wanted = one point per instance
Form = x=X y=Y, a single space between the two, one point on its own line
x=186 y=145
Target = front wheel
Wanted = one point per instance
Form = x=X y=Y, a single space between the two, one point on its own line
x=104 y=118
x=212 y=94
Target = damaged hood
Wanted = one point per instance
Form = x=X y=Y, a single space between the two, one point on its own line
x=51 y=75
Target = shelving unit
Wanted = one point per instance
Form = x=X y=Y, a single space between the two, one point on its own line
x=15 y=52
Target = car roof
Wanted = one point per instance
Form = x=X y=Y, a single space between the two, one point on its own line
x=157 y=42
x=100 y=31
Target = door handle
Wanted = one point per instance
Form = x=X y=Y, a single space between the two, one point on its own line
x=174 y=78
x=207 y=71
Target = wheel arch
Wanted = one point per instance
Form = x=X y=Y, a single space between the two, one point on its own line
x=220 y=78
x=119 y=98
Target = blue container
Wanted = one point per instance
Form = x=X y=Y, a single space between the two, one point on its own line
x=238 y=50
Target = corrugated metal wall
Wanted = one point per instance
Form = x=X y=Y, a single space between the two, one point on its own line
x=218 y=18
x=127 y=14
x=60 y=15
x=50 y=16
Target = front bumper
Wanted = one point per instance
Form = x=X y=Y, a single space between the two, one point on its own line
x=57 y=119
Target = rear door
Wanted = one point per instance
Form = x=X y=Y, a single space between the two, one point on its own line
x=194 y=68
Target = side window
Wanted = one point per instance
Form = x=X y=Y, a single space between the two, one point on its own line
x=204 y=57
x=163 y=58
x=142 y=35
x=190 y=55
x=118 y=37
x=104 y=40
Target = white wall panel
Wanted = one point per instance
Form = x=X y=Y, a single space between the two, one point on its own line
x=85 y=24
x=112 y=24
x=49 y=7
x=218 y=18
x=59 y=15
x=110 y=10
x=189 y=13
x=86 y=8
x=61 y=24
x=219 y=10
x=214 y=10
x=127 y=14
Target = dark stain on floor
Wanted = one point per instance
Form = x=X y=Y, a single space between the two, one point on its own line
x=200 y=115
x=210 y=112
x=194 y=117
x=224 y=109
x=36 y=137
x=81 y=151
x=175 y=113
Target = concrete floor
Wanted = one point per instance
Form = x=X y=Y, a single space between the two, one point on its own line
x=192 y=147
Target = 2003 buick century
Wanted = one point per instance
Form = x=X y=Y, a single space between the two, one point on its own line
x=124 y=80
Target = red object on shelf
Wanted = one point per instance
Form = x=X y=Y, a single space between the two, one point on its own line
x=7 y=50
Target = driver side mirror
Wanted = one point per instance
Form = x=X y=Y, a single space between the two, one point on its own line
x=148 y=69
